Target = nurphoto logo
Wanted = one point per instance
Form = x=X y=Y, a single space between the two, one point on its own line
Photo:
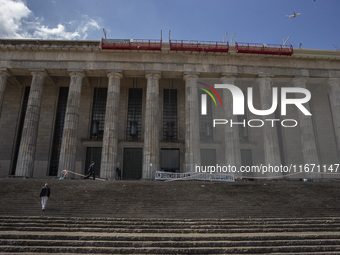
x=294 y=96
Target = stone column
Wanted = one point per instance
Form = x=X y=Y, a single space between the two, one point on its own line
x=3 y=82
x=334 y=96
x=151 y=130
x=231 y=134
x=270 y=138
x=68 y=151
x=110 y=138
x=25 y=163
x=192 y=138
x=309 y=149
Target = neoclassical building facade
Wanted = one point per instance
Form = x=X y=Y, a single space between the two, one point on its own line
x=64 y=104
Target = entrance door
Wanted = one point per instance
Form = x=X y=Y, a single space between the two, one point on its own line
x=93 y=154
x=170 y=160
x=246 y=157
x=133 y=163
x=208 y=157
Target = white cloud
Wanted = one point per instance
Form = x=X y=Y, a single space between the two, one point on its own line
x=17 y=21
x=89 y=25
x=59 y=32
x=11 y=15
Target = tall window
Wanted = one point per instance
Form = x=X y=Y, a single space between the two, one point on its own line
x=243 y=129
x=280 y=137
x=206 y=121
x=134 y=116
x=21 y=126
x=98 y=113
x=58 y=130
x=170 y=114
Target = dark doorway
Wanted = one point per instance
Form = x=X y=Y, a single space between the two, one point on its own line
x=170 y=160
x=208 y=157
x=246 y=157
x=93 y=154
x=133 y=163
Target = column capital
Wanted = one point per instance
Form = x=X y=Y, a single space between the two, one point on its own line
x=300 y=80
x=229 y=78
x=4 y=72
x=228 y=74
x=156 y=75
x=38 y=72
x=264 y=79
x=189 y=75
x=113 y=73
x=333 y=81
x=265 y=76
x=79 y=74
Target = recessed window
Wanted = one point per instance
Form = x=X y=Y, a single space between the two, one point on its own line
x=206 y=121
x=134 y=116
x=98 y=113
x=58 y=130
x=21 y=126
x=170 y=114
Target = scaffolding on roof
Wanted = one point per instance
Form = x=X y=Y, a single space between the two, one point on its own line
x=191 y=45
x=131 y=44
x=262 y=48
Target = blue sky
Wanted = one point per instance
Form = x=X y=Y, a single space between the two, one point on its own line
x=253 y=21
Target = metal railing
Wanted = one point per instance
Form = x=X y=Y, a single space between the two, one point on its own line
x=192 y=45
x=131 y=44
x=262 y=48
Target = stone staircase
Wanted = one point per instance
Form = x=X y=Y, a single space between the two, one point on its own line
x=63 y=235
x=149 y=217
x=179 y=200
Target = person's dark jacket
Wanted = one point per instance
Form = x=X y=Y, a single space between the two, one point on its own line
x=45 y=191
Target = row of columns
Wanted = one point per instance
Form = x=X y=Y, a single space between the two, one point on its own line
x=25 y=163
x=70 y=132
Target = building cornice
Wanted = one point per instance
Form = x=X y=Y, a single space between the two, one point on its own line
x=49 y=45
x=314 y=53
x=87 y=45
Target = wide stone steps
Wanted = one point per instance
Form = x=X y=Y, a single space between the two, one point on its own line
x=190 y=247
x=58 y=235
x=150 y=250
x=168 y=225
x=93 y=217
x=170 y=242
x=192 y=200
